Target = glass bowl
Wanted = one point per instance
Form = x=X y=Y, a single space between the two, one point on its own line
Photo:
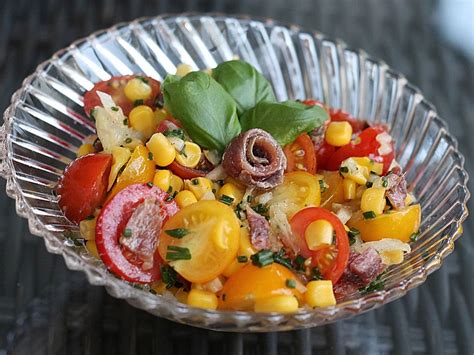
x=45 y=125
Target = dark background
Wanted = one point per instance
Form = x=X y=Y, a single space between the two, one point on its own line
x=46 y=309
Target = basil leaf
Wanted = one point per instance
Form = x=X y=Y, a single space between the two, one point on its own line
x=244 y=83
x=285 y=120
x=206 y=111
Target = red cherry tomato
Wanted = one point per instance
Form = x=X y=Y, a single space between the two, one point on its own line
x=169 y=123
x=365 y=146
x=340 y=116
x=83 y=186
x=115 y=88
x=331 y=261
x=324 y=152
x=111 y=223
x=300 y=155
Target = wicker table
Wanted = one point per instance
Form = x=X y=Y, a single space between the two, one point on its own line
x=46 y=309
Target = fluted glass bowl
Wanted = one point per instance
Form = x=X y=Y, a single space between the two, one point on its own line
x=45 y=125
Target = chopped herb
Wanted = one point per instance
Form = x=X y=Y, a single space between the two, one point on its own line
x=322 y=186
x=290 y=283
x=138 y=102
x=195 y=181
x=169 y=276
x=224 y=297
x=226 y=200
x=174 y=133
x=279 y=258
x=122 y=169
x=220 y=182
x=92 y=115
x=127 y=233
x=177 y=253
x=343 y=169
x=150 y=156
x=159 y=102
x=262 y=258
x=260 y=209
x=143 y=79
x=353 y=234
x=316 y=274
x=384 y=182
x=114 y=108
x=376 y=285
x=170 y=189
x=414 y=237
x=150 y=184
x=249 y=198
x=74 y=238
x=369 y=214
x=90 y=218
x=125 y=122
x=183 y=152
x=242 y=259
x=177 y=233
x=171 y=196
x=128 y=140
x=369 y=184
x=299 y=262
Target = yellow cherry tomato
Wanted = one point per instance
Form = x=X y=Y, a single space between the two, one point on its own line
x=400 y=224
x=211 y=239
x=334 y=192
x=139 y=170
x=299 y=190
x=252 y=283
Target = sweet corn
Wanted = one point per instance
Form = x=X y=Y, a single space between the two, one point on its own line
x=199 y=186
x=202 y=299
x=87 y=228
x=371 y=165
x=351 y=170
x=92 y=248
x=183 y=69
x=339 y=133
x=120 y=157
x=319 y=234
x=320 y=294
x=181 y=295
x=162 y=150
x=190 y=155
x=280 y=303
x=142 y=119
x=162 y=179
x=176 y=183
x=231 y=190
x=159 y=287
x=85 y=149
x=185 y=198
x=137 y=89
x=349 y=186
x=373 y=199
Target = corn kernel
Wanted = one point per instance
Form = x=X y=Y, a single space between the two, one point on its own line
x=339 y=133
x=87 y=228
x=377 y=168
x=231 y=190
x=183 y=69
x=320 y=294
x=120 y=157
x=137 y=89
x=349 y=186
x=199 y=186
x=176 y=183
x=92 y=248
x=351 y=170
x=162 y=179
x=85 y=149
x=185 y=198
x=371 y=165
x=280 y=303
x=373 y=199
x=142 y=119
x=190 y=155
x=319 y=234
x=159 y=287
x=162 y=150
x=181 y=295
x=202 y=299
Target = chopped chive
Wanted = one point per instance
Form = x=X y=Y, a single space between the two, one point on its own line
x=183 y=152
x=279 y=258
x=195 y=181
x=128 y=140
x=125 y=122
x=260 y=209
x=290 y=283
x=299 y=260
x=171 y=197
x=170 y=190
x=127 y=233
x=322 y=185
x=174 y=133
x=169 y=276
x=262 y=258
x=159 y=102
x=177 y=233
x=369 y=215
x=353 y=234
x=90 y=218
x=369 y=184
x=177 y=253
x=114 y=108
x=242 y=259
x=138 y=102
x=384 y=182
x=376 y=285
x=226 y=200
x=343 y=169
x=150 y=184
x=142 y=79
x=414 y=237
x=249 y=198
x=316 y=274
x=150 y=156
x=220 y=182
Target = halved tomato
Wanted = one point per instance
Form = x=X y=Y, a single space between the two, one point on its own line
x=83 y=186
x=300 y=155
x=201 y=240
x=115 y=88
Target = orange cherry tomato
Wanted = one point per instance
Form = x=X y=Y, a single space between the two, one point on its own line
x=300 y=155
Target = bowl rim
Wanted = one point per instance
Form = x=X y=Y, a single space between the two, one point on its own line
x=351 y=307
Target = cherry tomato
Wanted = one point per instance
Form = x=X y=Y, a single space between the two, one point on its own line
x=311 y=102
x=340 y=116
x=186 y=173
x=111 y=224
x=115 y=88
x=332 y=260
x=169 y=123
x=83 y=186
x=300 y=155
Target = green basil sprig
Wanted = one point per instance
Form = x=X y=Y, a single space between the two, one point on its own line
x=244 y=83
x=206 y=111
x=285 y=120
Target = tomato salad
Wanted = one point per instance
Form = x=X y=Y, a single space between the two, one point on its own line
x=206 y=187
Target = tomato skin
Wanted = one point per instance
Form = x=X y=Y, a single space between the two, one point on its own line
x=111 y=222
x=114 y=87
x=308 y=160
x=302 y=219
x=367 y=147
x=184 y=172
x=83 y=186
x=341 y=116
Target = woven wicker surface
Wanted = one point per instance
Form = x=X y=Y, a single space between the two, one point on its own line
x=46 y=309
